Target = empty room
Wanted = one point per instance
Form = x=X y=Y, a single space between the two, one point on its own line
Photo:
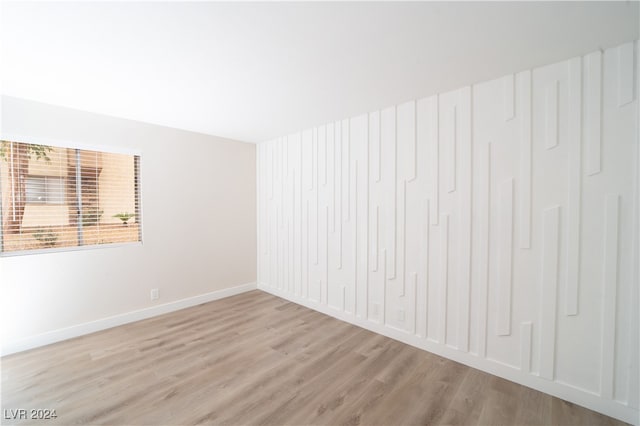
x=319 y=213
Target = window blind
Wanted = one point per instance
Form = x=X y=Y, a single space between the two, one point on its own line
x=56 y=197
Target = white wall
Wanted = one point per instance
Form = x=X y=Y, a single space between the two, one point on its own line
x=199 y=210
x=496 y=225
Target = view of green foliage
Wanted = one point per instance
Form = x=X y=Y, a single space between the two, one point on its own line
x=40 y=151
x=124 y=217
x=91 y=216
x=46 y=237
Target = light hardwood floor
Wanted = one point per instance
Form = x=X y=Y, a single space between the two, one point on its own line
x=258 y=359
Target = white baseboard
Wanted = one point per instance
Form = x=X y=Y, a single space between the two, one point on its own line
x=563 y=391
x=116 y=320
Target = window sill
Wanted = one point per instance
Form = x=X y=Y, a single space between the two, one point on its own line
x=69 y=249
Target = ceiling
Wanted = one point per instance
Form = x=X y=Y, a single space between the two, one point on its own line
x=255 y=71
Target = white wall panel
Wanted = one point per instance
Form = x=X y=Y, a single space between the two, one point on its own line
x=609 y=290
x=593 y=116
x=551 y=115
x=443 y=290
x=574 y=141
x=524 y=159
x=625 y=71
x=549 y=290
x=505 y=257
x=493 y=225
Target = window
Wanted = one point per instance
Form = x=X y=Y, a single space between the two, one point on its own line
x=45 y=189
x=56 y=198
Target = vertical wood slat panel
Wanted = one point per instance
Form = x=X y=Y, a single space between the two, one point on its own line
x=307 y=275
x=375 y=237
x=339 y=151
x=389 y=149
x=278 y=216
x=505 y=253
x=575 y=185
x=550 y=253
x=325 y=158
x=451 y=146
x=444 y=278
x=286 y=199
x=367 y=196
x=433 y=142
x=268 y=219
x=465 y=185
x=483 y=255
x=264 y=209
x=384 y=287
x=346 y=155
x=593 y=113
x=356 y=260
x=293 y=226
x=551 y=115
x=316 y=189
x=344 y=299
x=413 y=124
x=374 y=158
x=414 y=327
x=376 y=145
x=331 y=132
x=325 y=294
x=300 y=215
x=524 y=164
x=259 y=214
x=426 y=253
x=625 y=74
x=271 y=170
x=402 y=235
x=422 y=115
x=269 y=173
x=311 y=147
x=526 y=332
x=609 y=293
x=306 y=185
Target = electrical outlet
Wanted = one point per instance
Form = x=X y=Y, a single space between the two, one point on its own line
x=376 y=309
x=155 y=294
x=401 y=315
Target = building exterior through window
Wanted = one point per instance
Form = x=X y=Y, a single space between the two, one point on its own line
x=64 y=197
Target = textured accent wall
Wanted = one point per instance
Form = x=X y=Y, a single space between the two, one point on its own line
x=496 y=225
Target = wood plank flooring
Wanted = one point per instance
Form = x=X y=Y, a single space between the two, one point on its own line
x=255 y=359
